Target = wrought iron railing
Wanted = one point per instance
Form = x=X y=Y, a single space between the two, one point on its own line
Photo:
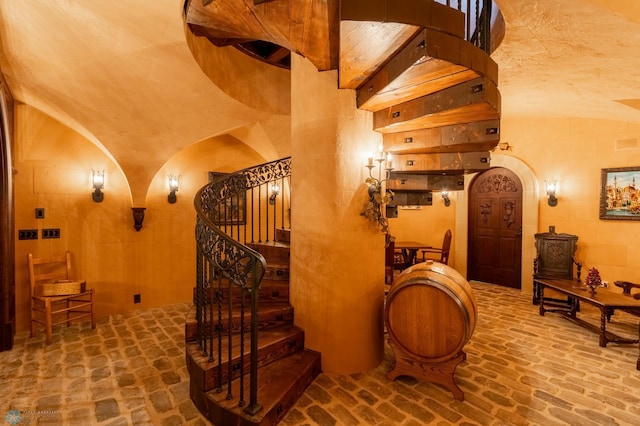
x=234 y=211
x=479 y=15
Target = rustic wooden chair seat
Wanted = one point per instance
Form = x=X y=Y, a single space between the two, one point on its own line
x=442 y=254
x=57 y=298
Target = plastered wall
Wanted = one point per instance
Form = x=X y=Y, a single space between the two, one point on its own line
x=53 y=170
x=574 y=151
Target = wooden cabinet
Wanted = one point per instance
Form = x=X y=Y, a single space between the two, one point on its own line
x=554 y=258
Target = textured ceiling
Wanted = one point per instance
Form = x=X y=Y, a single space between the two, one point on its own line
x=120 y=72
x=570 y=58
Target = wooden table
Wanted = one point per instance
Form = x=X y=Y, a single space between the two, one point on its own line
x=605 y=300
x=410 y=249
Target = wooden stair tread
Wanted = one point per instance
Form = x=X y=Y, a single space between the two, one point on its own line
x=270 y=315
x=265 y=339
x=264 y=310
x=475 y=100
x=277 y=392
x=272 y=345
x=465 y=137
x=430 y=62
x=273 y=251
x=268 y=290
x=371 y=30
x=272 y=243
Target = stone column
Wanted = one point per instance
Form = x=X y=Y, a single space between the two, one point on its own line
x=337 y=256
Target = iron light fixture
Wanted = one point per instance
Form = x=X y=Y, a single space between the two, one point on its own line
x=551 y=187
x=445 y=197
x=97 y=180
x=377 y=198
x=174 y=186
x=275 y=190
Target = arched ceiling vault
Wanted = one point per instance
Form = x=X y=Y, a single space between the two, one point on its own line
x=123 y=74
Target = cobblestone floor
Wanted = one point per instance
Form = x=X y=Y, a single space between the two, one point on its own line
x=521 y=369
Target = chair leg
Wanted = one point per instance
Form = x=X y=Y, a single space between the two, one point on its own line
x=68 y=303
x=33 y=323
x=48 y=320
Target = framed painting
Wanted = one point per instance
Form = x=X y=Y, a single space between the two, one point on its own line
x=619 y=196
x=233 y=212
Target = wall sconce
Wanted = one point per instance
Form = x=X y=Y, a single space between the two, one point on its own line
x=445 y=197
x=174 y=185
x=275 y=190
x=373 y=209
x=551 y=187
x=97 y=180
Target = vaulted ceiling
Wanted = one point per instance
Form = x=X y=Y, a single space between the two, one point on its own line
x=122 y=73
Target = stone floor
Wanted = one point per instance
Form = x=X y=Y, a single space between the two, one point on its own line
x=521 y=369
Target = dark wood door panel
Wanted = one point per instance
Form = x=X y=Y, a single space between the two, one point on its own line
x=495 y=224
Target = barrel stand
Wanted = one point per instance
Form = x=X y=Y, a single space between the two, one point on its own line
x=441 y=373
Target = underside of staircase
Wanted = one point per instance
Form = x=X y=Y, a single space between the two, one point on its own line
x=434 y=98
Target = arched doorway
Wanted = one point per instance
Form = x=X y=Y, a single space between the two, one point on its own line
x=495 y=228
x=529 y=217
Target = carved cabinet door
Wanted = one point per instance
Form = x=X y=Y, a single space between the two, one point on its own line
x=495 y=228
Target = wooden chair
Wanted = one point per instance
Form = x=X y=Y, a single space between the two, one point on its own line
x=55 y=297
x=443 y=253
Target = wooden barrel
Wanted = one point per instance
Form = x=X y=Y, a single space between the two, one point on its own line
x=430 y=312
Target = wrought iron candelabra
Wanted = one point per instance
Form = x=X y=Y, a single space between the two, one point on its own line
x=373 y=208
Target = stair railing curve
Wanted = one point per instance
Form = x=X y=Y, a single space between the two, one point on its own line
x=478 y=17
x=232 y=210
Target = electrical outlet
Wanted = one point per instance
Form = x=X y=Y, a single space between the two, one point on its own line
x=552 y=229
x=28 y=234
x=39 y=213
x=136 y=298
x=50 y=233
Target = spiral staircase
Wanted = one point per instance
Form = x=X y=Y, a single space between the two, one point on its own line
x=421 y=68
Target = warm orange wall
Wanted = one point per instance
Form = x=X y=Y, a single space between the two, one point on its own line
x=53 y=166
x=574 y=151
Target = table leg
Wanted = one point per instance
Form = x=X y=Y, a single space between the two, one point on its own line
x=603 y=327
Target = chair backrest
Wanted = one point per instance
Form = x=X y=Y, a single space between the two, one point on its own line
x=48 y=270
x=446 y=247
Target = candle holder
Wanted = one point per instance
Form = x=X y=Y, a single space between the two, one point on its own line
x=373 y=209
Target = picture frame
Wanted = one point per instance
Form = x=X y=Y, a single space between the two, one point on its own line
x=234 y=211
x=619 y=195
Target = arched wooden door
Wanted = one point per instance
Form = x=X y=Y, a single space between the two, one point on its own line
x=495 y=228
